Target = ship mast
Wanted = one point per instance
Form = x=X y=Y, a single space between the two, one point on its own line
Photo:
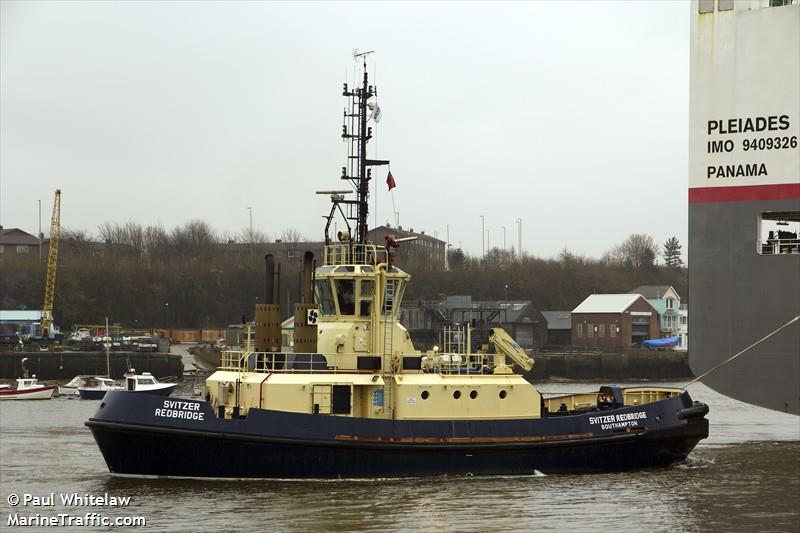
x=357 y=172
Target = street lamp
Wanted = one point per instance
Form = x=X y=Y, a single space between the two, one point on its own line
x=166 y=315
x=447 y=250
x=483 y=237
x=251 y=230
x=504 y=237
x=519 y=237
x=505 y=292
x=40 y=231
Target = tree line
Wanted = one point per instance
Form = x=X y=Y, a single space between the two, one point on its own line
x=194 y=277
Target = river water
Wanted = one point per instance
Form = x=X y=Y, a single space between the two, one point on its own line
x=744 y=477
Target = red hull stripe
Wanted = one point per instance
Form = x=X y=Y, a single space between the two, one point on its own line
x=781 y=191
x=15 y=392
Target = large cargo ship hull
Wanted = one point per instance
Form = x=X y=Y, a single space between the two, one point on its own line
x=738 y=297
x=135 y=440
x=744 y=199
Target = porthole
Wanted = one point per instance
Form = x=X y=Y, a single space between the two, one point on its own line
x=503 y=394
x=425 y=395
x=473 y=394
x=457 y=394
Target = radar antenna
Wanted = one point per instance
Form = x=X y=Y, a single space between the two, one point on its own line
x=363 y=55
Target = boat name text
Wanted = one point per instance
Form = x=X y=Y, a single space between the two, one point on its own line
x=177 y=409
x=760 y=140
x=620 y=420
x=748 y=124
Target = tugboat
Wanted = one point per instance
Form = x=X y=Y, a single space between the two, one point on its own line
x=355 y=398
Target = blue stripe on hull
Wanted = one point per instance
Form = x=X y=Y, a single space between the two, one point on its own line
x=91 y=394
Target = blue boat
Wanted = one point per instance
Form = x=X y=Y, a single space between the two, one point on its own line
x=96 y=388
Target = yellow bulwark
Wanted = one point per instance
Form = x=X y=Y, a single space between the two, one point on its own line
x=52 y=265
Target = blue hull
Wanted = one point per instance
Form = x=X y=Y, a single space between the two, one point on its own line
x=92 y=394
x=146 y=435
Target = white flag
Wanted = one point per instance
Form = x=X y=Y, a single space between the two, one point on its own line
x=376 y=113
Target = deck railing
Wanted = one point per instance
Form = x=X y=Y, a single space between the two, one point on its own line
x=356 y=254
x=461 y=363
x=247 y=361
x=780 y=246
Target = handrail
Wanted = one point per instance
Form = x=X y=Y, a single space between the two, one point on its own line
x=355 y=254
x=460 y=363
x=780 y=246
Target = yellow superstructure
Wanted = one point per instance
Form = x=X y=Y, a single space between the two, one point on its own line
x=365 y=364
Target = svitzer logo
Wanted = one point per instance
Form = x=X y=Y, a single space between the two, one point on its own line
x=311 y=317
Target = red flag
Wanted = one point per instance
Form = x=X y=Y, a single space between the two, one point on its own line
x=390 y=181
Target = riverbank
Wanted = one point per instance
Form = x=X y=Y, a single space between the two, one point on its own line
x=632 y=365
x=64 y=365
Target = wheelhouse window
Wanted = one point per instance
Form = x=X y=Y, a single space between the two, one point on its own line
x=366 y=292
x=346 y=296
x=779 y=232
x=324 y=295
x=392 y=296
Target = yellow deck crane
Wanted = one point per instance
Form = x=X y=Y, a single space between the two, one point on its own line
x=52 y=264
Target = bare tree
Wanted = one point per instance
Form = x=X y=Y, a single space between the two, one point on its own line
x=292 y=235
x=156 y=241
x=638 y=250
x=195 y=238
x=252 y=237
x=499 y=256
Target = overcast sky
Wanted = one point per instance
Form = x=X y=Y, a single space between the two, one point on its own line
x=572 y=116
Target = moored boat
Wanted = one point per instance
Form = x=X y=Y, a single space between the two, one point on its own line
x=96 y=388
x=71 y=387
x=27 y=389
x=356 y=399
x=147 y=383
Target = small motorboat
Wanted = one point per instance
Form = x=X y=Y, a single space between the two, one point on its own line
x=71 y=388
x=96 y=388
x=147 y=383
x=27 y=389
